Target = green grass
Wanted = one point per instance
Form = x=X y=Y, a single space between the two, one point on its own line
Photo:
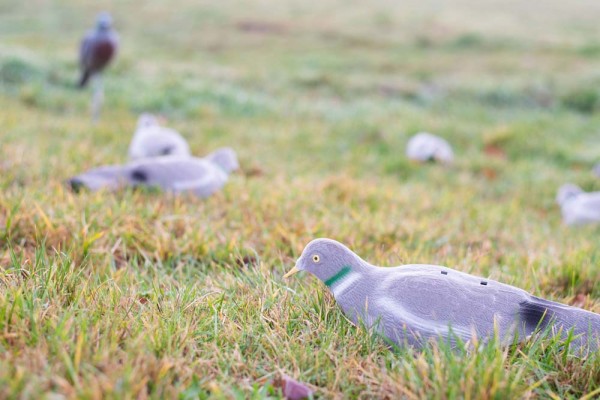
x=137 y=294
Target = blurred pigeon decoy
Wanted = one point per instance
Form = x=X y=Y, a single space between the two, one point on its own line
x=152 y=140
x=597 y=170
x=577 y=206
x=98 y=48
x=200 y=176
x=413 y=304
x=425 y=147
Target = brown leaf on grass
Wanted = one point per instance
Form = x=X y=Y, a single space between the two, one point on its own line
x=120 y=259
x=496 y=151
x=246 y=261
x=489 y=173
x=253 y=171
x=262 y=27
x=584 y=286
x=579 y=300
x=292 y=389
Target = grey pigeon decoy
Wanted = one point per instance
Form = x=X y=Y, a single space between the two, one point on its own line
x=413 y=304
x=153 y=140
x=577 y=206
x=98 y=48
x=425 y=147
x=200 y=176
x=596 y=170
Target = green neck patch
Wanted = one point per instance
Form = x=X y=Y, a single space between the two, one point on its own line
x=341 y=273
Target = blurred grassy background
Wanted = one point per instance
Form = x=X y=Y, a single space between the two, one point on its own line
x=136 y=294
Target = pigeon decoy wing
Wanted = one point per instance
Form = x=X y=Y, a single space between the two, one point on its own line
x=433 y=301
x=590 y=202
x=84 y=58
x=96 y=53
x=177 y=174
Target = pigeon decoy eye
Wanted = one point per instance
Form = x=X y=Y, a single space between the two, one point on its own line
x=316 y=258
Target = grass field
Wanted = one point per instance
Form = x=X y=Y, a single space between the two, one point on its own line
x=142 y=295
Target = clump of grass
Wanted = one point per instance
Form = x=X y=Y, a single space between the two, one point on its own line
x=15 y=72
x=585 y=99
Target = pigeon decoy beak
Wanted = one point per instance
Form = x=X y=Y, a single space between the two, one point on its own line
x=291 y=272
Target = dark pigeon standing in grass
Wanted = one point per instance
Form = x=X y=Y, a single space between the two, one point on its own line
x=412 y=304
x=199 y=176
x=98 y=48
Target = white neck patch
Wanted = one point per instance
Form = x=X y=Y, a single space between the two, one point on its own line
x=340 y=287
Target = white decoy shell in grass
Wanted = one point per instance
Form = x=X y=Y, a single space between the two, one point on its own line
x=425 y=147
x=200 y=176
x=413 y=304
x=153 y=140
x=577 y=206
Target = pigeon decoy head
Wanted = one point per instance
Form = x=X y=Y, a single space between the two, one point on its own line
x=104 y=21
x=225 y=158
x=566 y=192
x=146 y=120
x=326 y=259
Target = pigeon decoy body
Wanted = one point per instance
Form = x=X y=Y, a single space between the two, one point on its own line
x=200 y=176
x=98 y=48
x=425 y=147
x=596 y=170
x=413 y=304
x=577 y=206
x=153 y=140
